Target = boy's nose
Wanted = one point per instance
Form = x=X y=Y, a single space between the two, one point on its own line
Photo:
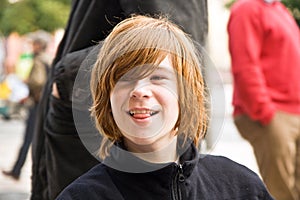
x=141 y=90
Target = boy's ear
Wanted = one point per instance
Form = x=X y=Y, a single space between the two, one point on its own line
x=175 y=130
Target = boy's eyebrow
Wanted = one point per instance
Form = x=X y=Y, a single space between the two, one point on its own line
x=163 y=68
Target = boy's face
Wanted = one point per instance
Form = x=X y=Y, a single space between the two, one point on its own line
x=147 y=110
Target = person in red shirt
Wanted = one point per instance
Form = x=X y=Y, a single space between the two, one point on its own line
x=264 y=43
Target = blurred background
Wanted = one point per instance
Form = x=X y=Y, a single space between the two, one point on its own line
x=22 y=21
x=19 y=19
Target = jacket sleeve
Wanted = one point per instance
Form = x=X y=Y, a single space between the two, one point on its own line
x=245 y=44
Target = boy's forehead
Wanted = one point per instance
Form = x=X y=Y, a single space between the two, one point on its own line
x=166 y=64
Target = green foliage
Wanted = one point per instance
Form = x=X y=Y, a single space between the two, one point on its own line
x=3 y=4
x=292 y=5
x=230 y=3
x=17 y=17
x=54 y=12
x=26 y=16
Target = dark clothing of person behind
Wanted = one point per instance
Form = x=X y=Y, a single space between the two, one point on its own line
x=58 y=154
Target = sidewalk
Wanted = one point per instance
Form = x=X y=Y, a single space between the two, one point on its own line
x=232 y=146
x=11 y=136
x=229 y=144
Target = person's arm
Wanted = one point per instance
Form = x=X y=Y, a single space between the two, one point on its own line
x=245 y=45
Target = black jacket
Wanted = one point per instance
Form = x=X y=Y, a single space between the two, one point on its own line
x=196 y=178
x=58 y=156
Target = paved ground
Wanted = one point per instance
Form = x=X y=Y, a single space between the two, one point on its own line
x=11 y=133
x=229 y=144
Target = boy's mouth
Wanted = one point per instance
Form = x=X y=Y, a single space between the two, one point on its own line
x=142 y=113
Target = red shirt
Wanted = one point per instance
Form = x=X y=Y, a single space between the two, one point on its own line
x=264 y=43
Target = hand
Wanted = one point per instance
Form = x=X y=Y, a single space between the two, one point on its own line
x=55 y=91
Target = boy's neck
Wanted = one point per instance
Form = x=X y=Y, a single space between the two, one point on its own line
x=163 y=155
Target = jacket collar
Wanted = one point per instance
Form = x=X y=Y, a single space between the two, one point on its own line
x=122 y=160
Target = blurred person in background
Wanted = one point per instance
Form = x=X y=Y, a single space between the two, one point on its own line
x=35 y=81
x=4 y=89
x=59 y=156
x=2 y=55
x=14 y=46
x=13 y=50
x=264 y=42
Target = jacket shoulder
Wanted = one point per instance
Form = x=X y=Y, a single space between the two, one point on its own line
x=232 y=178
x=94 y=184
x=226 y=166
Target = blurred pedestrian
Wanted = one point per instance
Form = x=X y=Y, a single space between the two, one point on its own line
x=36 y=81
x=2 y=55
x=59 y=156
x=264 y=42
x=145 y=92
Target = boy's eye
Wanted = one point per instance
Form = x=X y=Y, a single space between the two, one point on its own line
x=156 y=78
x=124 y=79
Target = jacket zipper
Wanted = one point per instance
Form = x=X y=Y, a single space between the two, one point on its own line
x=179 y=178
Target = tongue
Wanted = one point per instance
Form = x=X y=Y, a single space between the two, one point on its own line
x=141 y=115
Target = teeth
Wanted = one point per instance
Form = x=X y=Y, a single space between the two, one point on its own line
x=133 y=112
